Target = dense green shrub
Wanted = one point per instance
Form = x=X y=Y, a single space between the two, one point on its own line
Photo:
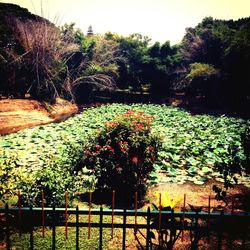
x=54 y=176
x=11 y=174
x=246 y=146
x=237 y=164
x=54 y=180
x=123 y=154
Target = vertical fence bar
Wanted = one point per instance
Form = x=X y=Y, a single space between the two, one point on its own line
x=89 y=216
x=136 y=211
x=220 y=225
x=77 y=228
x=183 y=218
x=19 y=212
x=100 y=234
x=31 y=230
x=232 y=212
x=43 y=217
x=171 y=226
x=208 y=222
x=113 y=207
x=66 y=215
x=159 y=218
x=196 y=231
x=54 y=228
x=124 y=229
x=148 y=229
x=7 y=227
x=245 y=232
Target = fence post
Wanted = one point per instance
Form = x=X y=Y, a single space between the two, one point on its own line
x=159 y=219
x=89 y=216
x=77 y=228
x=220 y=229
x=43 y=217
x=183 y=218
x=196 y=231
x=31 y=230
x=148 y=229
x=171 y=227
x=135 y=212
x=66 y=215
x=245 y=231
x=54 y=228
x=100 y=234
x=7 y=227
x=113 y=206
x=124 y=229
x=19 y=212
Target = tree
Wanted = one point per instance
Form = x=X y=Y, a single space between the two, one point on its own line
x=225 y=46
x=99 y=67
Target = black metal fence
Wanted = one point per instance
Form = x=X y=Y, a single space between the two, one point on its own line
x=153 y=229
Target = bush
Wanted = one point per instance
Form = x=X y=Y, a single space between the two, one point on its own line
x=11 y=174
x=54 y=180
x=245 y=137
x=54 y=176
x=238 y=163
x=202 y=79
x=123 y=154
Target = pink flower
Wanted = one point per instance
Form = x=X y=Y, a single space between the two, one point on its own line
x=129 y=112
x=135 y=160
x=123 y=150
x=150 y=148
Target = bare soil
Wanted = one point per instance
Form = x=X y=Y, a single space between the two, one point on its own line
x=18 y=114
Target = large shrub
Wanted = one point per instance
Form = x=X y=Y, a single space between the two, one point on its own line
x=123 y=154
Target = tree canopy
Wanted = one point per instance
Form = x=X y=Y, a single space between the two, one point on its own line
x=212 y=59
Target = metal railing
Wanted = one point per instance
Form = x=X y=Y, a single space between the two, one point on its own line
x=167 y=225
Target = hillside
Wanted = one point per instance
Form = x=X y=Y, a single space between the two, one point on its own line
x=18 y=114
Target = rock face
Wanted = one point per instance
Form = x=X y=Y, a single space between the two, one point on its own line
x=18 y=114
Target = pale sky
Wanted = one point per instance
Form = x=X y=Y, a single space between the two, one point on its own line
x=161 y=20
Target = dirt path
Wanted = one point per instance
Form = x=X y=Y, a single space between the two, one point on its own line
x=18 y=114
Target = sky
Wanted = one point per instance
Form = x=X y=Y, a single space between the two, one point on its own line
x=161 y=20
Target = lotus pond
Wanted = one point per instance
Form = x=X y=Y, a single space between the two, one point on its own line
x=192 y=145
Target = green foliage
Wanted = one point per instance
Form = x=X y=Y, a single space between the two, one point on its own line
x=246 y=146
x=55 y=179
x=225 y=46
x=200 y=70
x=34 y=57
x=194 y=147
x=123 y=154
x=11 y=175
x=23 y=241
x=165 y=203
x=151 y=65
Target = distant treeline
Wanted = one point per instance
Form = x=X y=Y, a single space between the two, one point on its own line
x=36 y=57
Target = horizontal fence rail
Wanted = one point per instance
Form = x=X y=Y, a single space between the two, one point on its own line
x=194 y=222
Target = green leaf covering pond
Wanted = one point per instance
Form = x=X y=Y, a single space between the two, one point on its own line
x=192 y=144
